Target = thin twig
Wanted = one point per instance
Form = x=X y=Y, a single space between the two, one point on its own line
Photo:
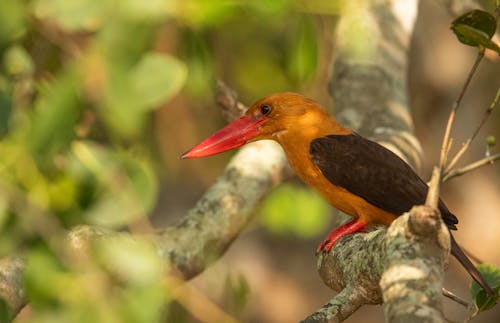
x=433 y=193
x=445 y=147
x=227 y=99
x=456 y=298
x=473 y=315
x=195 y=302
x=464 y=148
x=460 y=171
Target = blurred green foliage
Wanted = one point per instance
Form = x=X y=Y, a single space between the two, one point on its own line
x=80 y=82
x=293 y=209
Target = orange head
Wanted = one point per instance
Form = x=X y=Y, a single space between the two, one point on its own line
x=278 y=117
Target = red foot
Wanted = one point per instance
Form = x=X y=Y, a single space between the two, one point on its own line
x=348 y=228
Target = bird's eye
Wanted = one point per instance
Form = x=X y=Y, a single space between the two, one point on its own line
x=265 y=109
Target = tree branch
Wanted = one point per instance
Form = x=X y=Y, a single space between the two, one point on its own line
x=369 y=79
x=472 y=166
x=417 y=252
x=11 y=284
x=407 y=259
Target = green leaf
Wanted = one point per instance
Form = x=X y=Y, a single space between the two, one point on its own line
x=63 y=193
x=130 y=259
x=482 y=300
x=4 y=311
x=4 y=212
x=143 y=304
x=128 y=185
x=293 y=209
x=13 y=20
x=156 y=78
x=143 y=180
x=122 y=109
x=75 y=15
x=133 y=91
x=475 y=28
x=46 y=280
x=146 y=11
x=57 y=111
x=18 y=61
x=237 y=292
x=197 y=54
x=303 y=52
x=6 y=94
x=198 y=13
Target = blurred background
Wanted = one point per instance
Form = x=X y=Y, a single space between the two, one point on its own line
x=99 y=98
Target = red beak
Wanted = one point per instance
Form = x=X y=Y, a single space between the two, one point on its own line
x=234 y=135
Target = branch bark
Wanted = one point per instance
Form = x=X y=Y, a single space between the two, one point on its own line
x=408 y=261
x=370 y=70
x=11 y=284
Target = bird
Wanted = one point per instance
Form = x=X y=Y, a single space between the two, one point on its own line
x=354 y=174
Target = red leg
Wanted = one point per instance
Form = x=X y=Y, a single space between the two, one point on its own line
x=348 y=228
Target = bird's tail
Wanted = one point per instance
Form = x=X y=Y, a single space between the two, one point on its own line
x=458 y=253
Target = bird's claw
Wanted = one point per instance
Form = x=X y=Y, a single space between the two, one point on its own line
x=348 y=228
x=325 y=246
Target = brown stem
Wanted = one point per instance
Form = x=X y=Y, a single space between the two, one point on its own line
x=463 y=170
x=464 y=148
x=445 y=147
x=432 y=199
x=456 y=298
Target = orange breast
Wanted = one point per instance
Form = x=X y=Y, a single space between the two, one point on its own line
x=337 y=196
x=296 y=147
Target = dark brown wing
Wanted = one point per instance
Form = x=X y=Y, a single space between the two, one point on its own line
x=372 y=172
